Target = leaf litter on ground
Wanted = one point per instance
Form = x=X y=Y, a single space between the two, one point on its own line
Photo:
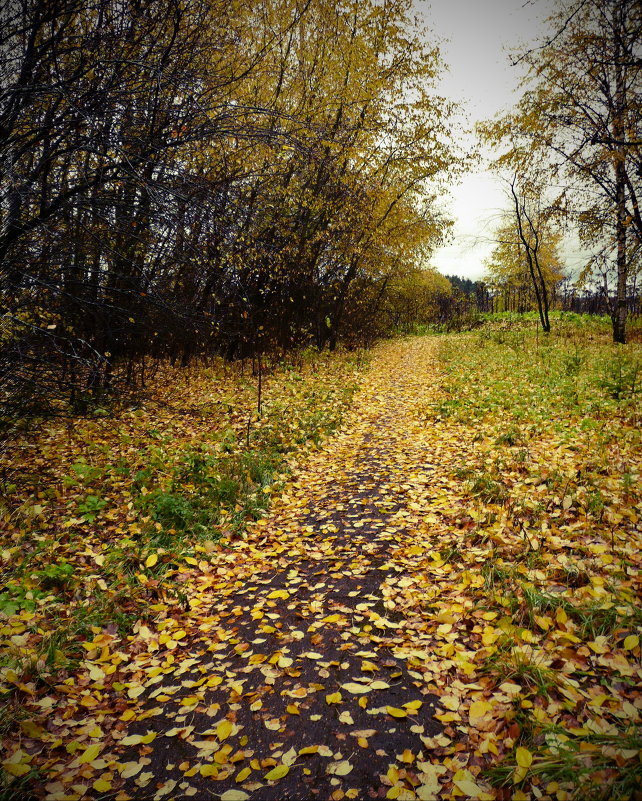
x=443 y=602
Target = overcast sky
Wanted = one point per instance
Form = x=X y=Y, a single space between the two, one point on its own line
x=474 y=37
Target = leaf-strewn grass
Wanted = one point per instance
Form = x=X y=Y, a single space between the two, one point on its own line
x=555 y=503
x=473 y=536
x=101 y=514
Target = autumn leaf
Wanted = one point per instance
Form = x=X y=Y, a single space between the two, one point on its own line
x=224 y=729
x=277 y=773
x=523 y=757
x=356 y=689
x=396 y=712
x=279 y=594
x=341 y=768
x=90 y=753
x=242 y=775
x=477 y=711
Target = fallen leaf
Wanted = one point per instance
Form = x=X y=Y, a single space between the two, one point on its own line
x=277 y=773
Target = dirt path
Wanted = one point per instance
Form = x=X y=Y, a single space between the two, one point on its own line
x=306 y=664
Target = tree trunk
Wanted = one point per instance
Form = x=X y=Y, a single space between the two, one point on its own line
x=619 y=311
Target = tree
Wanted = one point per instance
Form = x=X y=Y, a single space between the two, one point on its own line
x=581 y=116
x=419 y=297
x=525 y=262
x=180 y=179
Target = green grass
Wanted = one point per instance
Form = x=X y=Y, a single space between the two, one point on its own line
x=552 y=489
x=569 y=764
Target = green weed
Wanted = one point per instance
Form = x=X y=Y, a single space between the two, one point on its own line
x=620 y=376
x=593 y=767
x=91 y=507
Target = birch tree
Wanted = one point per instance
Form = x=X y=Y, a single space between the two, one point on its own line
x=580 y=118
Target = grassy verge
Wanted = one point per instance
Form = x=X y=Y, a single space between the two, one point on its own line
x=101 y=514
x=553 y=485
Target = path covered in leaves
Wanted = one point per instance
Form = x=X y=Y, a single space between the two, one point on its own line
x=334 y=653
x=296 y=673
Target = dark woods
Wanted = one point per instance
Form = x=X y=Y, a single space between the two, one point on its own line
x=188 y=178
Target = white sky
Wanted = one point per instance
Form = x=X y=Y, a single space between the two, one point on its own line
x=474 y=36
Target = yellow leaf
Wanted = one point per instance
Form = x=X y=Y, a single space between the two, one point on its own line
x=234 y=795
x=129 y=769
x=309 y=749
x=490 y=635
x=279 y=594
x=469 y=788
x=151 y=560
x=101 y=785
x=523 y=757
x=16 y=770
x=478 y=710
x=408 y=757
x=132 y=739
x=90 y=753
x=519 y=774
x=397 y=713
x=289 y=758
x=631 y=642
x=242 y=775
x=189 y=700
x=209 y=770
x=277 y=773
x=355 y=689
x=427 y=792
x=293 y=709
x=333 y=698
x=96 y=673
x=224 y=729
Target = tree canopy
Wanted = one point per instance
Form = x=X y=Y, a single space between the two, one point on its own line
x=578 y=125
x=181 y=179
